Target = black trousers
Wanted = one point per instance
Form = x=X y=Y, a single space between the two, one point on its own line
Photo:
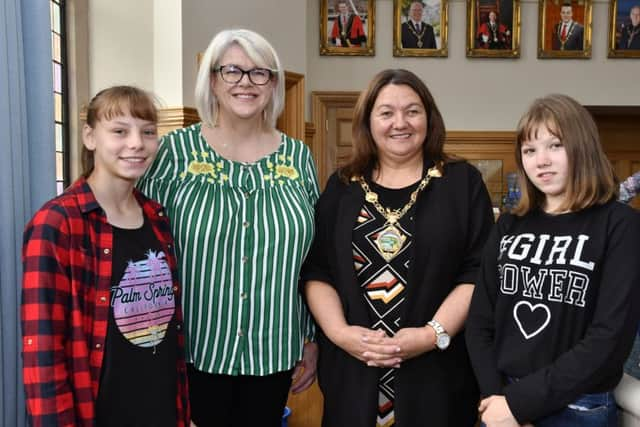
x=237 y=401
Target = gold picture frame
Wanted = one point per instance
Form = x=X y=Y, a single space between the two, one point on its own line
x=564 y=29
x=352 y=35
x=624 y=37
x=428 y=35
x=493 y=29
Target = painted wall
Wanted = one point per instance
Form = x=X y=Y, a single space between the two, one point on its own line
x=482 y=93
x=281 y=22
x=167 y=52
x=134 y=42
x=120 y=43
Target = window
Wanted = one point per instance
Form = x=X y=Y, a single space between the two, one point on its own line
x=58 y=49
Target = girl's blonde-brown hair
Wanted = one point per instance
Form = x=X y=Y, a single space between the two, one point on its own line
x=591 y=179
x=113 y=102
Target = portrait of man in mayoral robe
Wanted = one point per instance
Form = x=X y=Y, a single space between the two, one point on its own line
x=346 y=27
x=493 y=28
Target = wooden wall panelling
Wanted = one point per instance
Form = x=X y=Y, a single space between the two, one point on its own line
x=321 y=103
x=291 y=121
x=310 y=135
x=175 y=118
x=306 y=407
x=332 y=114
x=491 y=149
x=619 y=127
x=168 y=118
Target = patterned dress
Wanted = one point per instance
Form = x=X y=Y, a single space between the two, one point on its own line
x=383 y=283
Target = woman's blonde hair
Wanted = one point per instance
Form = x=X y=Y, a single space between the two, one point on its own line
x=591 y=179
x=113 y=102
x=259 y=51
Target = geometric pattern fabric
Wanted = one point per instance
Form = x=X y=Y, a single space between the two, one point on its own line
x=383 y=286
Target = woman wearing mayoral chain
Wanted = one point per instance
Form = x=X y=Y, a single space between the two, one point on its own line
x=390 y=274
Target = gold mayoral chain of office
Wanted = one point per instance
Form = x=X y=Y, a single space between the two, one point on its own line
x=569 y=30
x=391 y=240
x=423 y=28
x=632 y=35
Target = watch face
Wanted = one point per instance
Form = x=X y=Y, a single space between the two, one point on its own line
x=443 y=341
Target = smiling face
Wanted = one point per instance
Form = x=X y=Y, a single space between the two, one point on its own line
x=398 y=124
x=123 y=147
x=566 y=13
x=415 y=11
x=546 y=165
x=634 y=14
x=241 y=100
x=342 y=8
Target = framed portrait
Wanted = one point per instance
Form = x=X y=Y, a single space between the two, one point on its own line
x=624 y=29
x=420 y=28
x=347 y=27
x=493 y=28
x=564 y=29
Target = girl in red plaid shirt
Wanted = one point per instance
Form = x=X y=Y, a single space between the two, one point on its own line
x=101 y=314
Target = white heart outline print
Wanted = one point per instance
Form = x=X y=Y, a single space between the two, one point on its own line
x=532 y=308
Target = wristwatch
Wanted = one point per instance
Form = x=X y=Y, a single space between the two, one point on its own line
x=442 y=337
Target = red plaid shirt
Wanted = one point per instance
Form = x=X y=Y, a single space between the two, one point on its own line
x=65 y=306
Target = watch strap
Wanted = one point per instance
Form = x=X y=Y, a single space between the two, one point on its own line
x=437 y=327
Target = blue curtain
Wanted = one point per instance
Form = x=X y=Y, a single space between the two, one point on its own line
x=27 y=170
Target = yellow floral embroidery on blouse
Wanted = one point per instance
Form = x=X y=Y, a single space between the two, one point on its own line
x=204 y=167
x=201 y=168
x=281 y=170
x=287 y=171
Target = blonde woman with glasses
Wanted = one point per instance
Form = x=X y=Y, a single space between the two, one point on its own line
x=240 y=196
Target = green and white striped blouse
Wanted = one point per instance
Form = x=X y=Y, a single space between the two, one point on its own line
x=242 y=232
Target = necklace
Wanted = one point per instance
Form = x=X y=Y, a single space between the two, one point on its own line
x=391 y=240
x=632 y=34
x=569 y=30
x=423 y=28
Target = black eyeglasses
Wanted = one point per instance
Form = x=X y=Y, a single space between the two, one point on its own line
x=233 y=74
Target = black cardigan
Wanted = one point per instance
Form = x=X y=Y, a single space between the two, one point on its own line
x=453 y=219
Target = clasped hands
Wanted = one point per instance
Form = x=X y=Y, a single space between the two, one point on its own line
x=377 y=349
x=495 y=412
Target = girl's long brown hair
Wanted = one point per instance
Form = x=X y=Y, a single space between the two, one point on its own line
x=591 y=177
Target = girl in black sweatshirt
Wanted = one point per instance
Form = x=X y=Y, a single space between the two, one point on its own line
x=554 y=311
